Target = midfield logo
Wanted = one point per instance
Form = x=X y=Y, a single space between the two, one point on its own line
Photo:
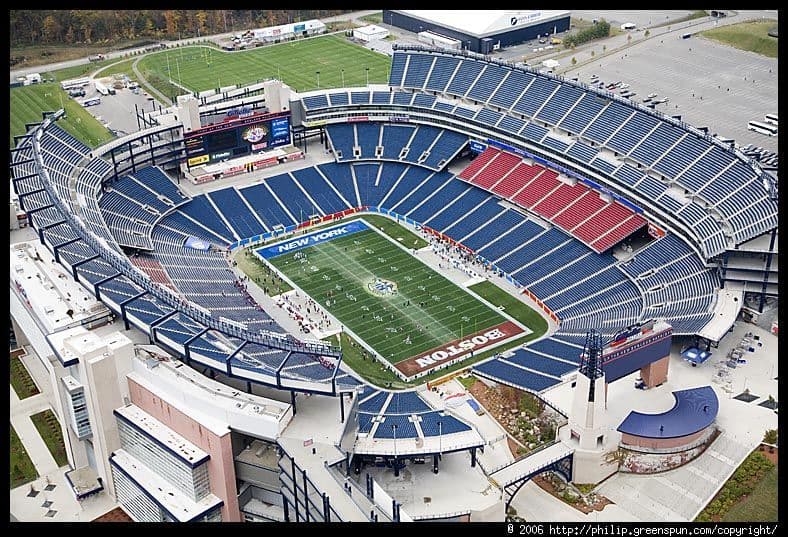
x=382 y=287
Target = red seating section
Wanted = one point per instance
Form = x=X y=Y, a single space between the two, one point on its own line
x=153 y=269
x=499 y=166
x=624 y=229
x=477 y=164
x=576 y=209
x=544 y=183
x=587 y=205
x=520 y=177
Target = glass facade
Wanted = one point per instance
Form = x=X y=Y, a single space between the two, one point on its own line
x=193 y=482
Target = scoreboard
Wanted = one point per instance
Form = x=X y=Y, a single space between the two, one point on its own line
x=237 y=138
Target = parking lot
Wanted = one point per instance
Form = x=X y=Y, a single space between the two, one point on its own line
x=707 y=83
x=116 y=112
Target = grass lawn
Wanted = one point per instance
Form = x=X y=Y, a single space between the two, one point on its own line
x=749 y=492
x=28 y=102
x=120 y=68
x=49 y=429
x=21 y=380
x=259 y=273
x=511 y=305
x=467 y=382
x=751 y=36
x=697 y=14
x=427 y=310
x=77 y=71
x=375 y=18
x=295 y=63
x=758 y=506
x=48 y=54
x=22 y=469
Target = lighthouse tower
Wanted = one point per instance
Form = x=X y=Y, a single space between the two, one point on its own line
x=588 y=430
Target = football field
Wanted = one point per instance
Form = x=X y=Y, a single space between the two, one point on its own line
x=339 y=62
x=409 y=314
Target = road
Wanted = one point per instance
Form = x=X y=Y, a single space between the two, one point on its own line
x=121 y=53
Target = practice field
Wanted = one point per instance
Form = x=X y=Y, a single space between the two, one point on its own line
x=409 y=314
x=28 y=102
x=295 y=63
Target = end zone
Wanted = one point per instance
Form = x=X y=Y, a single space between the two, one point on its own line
x=459 y=349
x=311 y=239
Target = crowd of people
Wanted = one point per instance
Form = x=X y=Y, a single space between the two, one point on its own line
x=454 y=257
x=305 y=311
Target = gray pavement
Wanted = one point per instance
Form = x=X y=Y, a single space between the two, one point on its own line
x=641 y=18
x=700 y=77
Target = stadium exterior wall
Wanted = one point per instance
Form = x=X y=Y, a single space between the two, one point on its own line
x=221 y=470
x=473 y=42
x=628 y=440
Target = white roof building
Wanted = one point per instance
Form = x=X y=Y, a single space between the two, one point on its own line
x=370 y=32
x=484 y=22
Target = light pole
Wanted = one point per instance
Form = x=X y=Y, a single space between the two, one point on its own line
x=440 y=435
x=394 y=426
x=343 y=78
x=318 y=79
x=367 y=70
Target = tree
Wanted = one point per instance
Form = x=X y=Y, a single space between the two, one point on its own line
x=52 y=28
x=592 y=53
x=172 y=19
x=604 y=48
x=647 y=33
x=202 y=18
x=770 y=437
x=574 y=60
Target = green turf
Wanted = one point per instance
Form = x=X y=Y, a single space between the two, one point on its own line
x=295 y=63
x=350 y=263
x=21 y=380
x=467 y=382
x=261 y=274
x=28 y=102
x=22 y=469
x=365 y=365
x=391 y=228
x=760 y=505
x=49 y=429
x=751 y=36
x=515 y=308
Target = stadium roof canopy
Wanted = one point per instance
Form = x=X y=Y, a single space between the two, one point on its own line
x=483 y=22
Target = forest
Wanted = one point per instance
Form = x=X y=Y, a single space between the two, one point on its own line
x=90 y=27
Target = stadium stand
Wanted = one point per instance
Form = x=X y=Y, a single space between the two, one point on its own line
x=634 y=134
x=427 y=146
x=599 y=224
x=380 y=413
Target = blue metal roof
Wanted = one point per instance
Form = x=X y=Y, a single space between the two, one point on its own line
x=695 y=409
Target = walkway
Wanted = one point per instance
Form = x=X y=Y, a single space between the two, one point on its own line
x=677 y=495
x=531 y=463
x=27 y=432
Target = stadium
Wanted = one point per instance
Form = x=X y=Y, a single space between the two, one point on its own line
x=309 y=277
